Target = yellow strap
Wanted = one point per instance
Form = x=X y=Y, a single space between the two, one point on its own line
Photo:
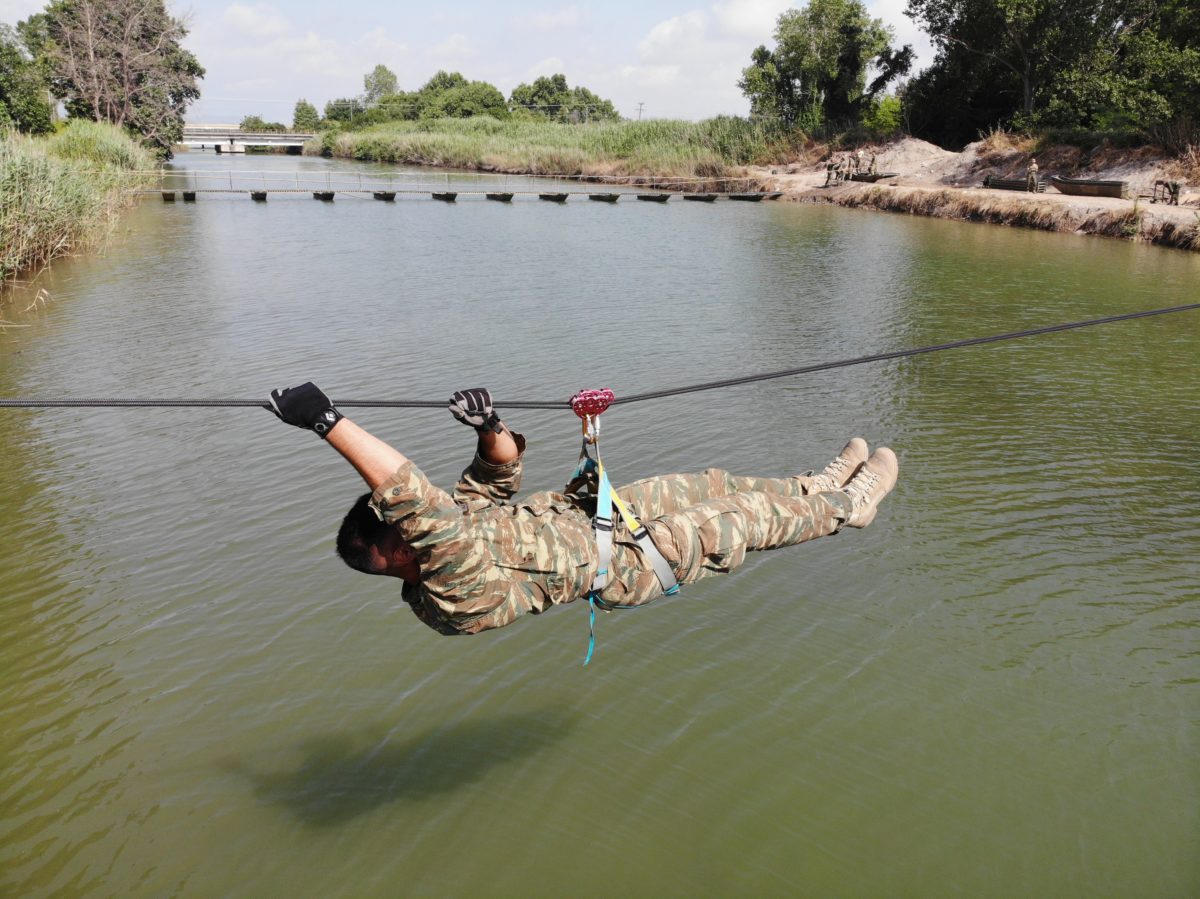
x=631 y=521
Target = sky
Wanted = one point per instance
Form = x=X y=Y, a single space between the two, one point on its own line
x=655 y=58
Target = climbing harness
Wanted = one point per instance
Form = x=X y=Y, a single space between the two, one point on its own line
x=588 y=405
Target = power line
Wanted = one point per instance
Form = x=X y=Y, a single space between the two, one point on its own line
x=635 y=398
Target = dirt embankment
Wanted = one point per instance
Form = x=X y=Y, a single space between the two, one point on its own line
x=936 y=182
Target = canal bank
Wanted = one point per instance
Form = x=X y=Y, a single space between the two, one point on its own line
x=926 y=180
x=717 y=156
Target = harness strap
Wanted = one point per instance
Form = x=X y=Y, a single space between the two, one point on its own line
x=606 y=499
x=662 y=570
x=603 y=525
x=588 y=404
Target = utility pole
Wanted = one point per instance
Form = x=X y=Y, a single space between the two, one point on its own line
x=641 y=103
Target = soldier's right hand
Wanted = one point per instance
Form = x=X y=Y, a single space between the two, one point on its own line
x=473 y=407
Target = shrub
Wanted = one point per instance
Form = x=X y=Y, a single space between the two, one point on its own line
x=59 y=194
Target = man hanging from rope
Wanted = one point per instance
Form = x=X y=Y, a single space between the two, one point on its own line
x=474 y=560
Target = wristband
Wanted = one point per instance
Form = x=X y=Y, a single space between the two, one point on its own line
x=325 y=421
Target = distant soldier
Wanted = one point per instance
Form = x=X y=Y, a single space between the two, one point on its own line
x=1031 y=179
x=473 y=560
x=858 y=162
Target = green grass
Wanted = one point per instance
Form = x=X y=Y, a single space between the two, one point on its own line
x=655 y=148
x=59 y=194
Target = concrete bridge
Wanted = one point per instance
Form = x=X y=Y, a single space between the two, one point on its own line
x=232 y=139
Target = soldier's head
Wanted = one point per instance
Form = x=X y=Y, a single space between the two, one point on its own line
x=372 y=546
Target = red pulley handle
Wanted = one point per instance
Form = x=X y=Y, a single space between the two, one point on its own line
x=592 y=402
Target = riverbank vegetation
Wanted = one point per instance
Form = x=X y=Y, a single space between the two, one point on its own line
x=652 y=148
x=59 y=194
x=1113 y=75
x=116 y=61
x=1082 y=69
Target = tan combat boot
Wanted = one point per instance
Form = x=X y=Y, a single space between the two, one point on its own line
x=873 y=482
x=838 y=472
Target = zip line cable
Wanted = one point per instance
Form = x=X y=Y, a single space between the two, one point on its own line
x=634 y=398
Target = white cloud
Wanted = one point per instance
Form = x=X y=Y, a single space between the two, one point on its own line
x=689 y=65
x=554 y=19
x=907 y=32
x=685 y=64
x=255 y=21
x=546 y=67
x=13 y=11
x=677 y=35
x=386 y=49
x=457 y=46
x=651 y=76
x=753 y=19
x=266 y=73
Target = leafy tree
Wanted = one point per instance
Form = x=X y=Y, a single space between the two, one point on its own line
x=1157 y=61
x=121 y=61
x=257 y=124
x=591 y=107
x=305 y=117
x=442 y=81
x=818 y=69
x=379 y=82
x=884 y=117
x=772 y=94
x=1092 y=64
x=399 y=105
x=473 y=98
x=1031 y=41
x=451 y=95
x=344 y=109
x=24 y=87
x=553 y=98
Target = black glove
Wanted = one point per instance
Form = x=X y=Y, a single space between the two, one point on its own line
x=305 y=406
x=474 y=407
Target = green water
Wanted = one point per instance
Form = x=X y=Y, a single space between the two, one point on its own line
x=993 y=691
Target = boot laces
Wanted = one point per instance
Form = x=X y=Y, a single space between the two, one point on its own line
x=837 y=466
x=831 y=477
x=861 y=487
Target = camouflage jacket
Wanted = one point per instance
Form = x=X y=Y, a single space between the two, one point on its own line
x=485 y=560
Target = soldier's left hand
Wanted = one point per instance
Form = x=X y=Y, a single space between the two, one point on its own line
x=305 y=406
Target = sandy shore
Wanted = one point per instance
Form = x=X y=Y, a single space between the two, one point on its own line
x=936 y=182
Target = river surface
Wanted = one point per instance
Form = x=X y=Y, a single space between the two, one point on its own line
x=993 y=691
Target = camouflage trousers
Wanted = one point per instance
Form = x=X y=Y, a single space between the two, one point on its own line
x=704 y=524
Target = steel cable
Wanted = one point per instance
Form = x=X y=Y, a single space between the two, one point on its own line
x=116 y=402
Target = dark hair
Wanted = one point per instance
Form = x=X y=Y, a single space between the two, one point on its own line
x=361 y=529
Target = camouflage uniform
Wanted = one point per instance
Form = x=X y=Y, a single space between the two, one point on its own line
x=485 y=560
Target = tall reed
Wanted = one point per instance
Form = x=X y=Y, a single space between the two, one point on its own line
x=653 y=148
x=60 y=194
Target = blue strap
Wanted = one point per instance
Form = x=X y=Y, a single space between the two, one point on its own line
x=591 y=629
x=603 y=525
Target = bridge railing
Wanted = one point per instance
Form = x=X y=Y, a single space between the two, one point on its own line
x=202 y=132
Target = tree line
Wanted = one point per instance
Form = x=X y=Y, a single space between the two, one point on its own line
x=117 y=61
x=1128 y=67
x=447 y=95
x=1113 y=66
